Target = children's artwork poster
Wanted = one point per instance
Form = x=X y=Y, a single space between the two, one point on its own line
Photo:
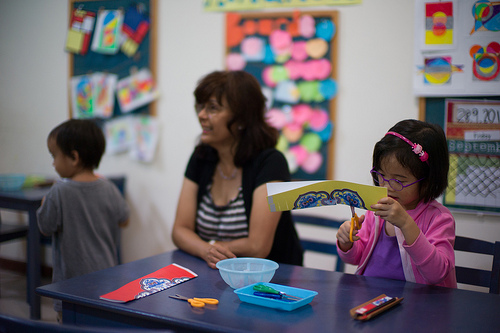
x=121 y=43
x=118 y=133
x=439 y=25
x=93 y=96
x=457 y=48
x=107 y=31
x=309 y=194
x=81 y=96
x=104 y=94
x=136 y=90
x=145 y=134
x=473 y=133
x=136 y=134
x=231 y=5
x=293 y=56
x=134 y=29
x=80 y=31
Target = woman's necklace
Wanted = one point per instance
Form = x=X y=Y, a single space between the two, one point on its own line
x=232 y=176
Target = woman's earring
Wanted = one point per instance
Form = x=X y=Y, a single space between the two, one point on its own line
x=240 y=127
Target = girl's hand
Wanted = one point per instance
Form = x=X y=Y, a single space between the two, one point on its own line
x=392 y=211
x=215 y=253
x=343 y=234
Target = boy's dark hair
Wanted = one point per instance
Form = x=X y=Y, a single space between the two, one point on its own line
x=433 y=141
x=245 y=99
x=83 y=136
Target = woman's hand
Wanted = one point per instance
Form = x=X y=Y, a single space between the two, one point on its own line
x=344 y=232
x=215 y=253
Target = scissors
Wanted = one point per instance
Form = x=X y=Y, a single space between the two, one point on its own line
x=355 y=225
x=197 y=302
x=266 y=291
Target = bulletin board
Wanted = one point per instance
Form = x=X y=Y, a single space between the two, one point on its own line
x=293 y=55
x=472 y=127
x=120 y=64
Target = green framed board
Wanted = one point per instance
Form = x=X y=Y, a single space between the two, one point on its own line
x=474 y=177
x=120 y=64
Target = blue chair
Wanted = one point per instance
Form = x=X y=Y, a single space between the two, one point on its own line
x=319 y=246
x=9 y=324
x=479 y=277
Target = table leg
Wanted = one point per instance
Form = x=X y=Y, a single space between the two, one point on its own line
x=33 y=260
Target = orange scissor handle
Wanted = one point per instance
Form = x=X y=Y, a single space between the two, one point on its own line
x=355 y=225
x=195 y=303
x=211 y=301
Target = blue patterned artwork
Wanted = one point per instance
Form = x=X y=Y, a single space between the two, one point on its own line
x=321 y=198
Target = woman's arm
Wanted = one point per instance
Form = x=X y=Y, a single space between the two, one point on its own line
x=183 y=232
x=262 y=227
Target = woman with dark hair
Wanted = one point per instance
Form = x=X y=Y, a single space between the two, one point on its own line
x=223 y=211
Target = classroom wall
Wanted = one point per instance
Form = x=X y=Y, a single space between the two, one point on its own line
x=375 y=91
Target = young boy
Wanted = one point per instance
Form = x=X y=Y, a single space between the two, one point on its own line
x=82 y=212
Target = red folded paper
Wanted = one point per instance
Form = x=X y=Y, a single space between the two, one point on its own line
x=162 y=279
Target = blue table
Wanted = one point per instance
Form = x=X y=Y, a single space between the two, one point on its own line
x=29 y=200
x=424 y=308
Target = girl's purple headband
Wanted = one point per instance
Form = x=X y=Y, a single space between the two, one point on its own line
x=417 y=149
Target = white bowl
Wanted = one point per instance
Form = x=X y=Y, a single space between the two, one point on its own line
x=241 y=272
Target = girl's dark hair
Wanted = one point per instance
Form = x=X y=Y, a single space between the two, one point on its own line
x=83 y=136
x=243 y=95
x=433 y=141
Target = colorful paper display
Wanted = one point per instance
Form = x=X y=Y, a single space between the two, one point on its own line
x=291 y=55
x=134 y=28
x=118 y=132
x=112 y=81
x=93 y=95
x=107 y=32
x=457 y=48
x=307 y=194
x=137 y=134
x=439 y=23
x=80 y=31
x=136 y=90
x=145 y=135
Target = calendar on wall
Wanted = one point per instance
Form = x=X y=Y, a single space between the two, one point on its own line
x=472 y=129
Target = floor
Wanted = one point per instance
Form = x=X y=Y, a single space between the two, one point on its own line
x=13 y=297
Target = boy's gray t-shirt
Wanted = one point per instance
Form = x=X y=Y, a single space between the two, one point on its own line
x=84 y=221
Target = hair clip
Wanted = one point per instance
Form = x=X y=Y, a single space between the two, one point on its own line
x=416 y=148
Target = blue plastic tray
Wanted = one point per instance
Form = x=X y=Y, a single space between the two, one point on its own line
x=245 y=294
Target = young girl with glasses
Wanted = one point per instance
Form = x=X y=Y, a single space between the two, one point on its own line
x=410 y=236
